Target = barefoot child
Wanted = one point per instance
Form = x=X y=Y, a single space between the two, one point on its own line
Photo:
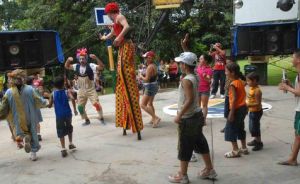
x=63 y=114
x=190 y=122
x=235 y=125
x=205 y=74
x=255 y=111
x=285 y=86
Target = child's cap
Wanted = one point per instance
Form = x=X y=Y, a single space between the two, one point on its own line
x=188 y=58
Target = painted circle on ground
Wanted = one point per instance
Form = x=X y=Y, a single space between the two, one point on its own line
x=215 y=108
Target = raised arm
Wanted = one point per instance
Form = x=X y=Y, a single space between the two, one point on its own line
x=100 y=65
x=68 y=64
x=220 y=50
x=184 y=43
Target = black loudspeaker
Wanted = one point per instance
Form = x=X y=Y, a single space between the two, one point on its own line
x=243 y=45
x=49 y=51
x=32 y=49
x=273 y=40
x=13 y=51
x=256 y=40
x=289 y=43
x=28 y=49
x=267 y=40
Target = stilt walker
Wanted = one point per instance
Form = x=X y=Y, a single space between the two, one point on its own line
x=128 y=111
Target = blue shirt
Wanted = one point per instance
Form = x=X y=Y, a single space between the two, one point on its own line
x=61 y=104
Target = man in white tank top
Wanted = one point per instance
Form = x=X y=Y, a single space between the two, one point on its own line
x=190 y=121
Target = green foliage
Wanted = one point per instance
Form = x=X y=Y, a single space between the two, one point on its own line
x=206 y=21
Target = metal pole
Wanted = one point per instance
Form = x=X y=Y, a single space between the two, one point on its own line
x=111 y=61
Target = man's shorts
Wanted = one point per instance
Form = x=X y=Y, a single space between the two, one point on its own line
x=64 y=126
x=191 y=138
x=297 y=123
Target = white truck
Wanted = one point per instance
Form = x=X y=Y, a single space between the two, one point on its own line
x=265 y=27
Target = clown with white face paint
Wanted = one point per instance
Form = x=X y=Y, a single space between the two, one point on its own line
x=86 y=86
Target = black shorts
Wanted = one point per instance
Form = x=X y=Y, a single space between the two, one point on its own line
x=64 y=126
x=236 y=129
x=254 y=123
x=191 y=137
x=226 y=107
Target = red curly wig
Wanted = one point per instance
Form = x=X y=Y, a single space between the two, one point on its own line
x=112 y=8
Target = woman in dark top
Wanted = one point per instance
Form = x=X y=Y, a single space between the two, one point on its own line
x=151 y=88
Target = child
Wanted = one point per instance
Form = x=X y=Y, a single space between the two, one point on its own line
x=235 y=125
x=226 y=102
x=190 y=121
x=255 y=111
x=63 y=114
x=205 y=73
x=285 y=86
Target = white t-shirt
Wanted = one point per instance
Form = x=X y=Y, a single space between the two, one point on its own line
x=82 y=69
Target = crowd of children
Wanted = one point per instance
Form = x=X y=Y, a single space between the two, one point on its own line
x=194 y=92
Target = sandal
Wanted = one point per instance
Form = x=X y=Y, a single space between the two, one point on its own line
x=244 y=151
x=179 y=178
x=207 y=174
x=287 y=163
x=232 y=154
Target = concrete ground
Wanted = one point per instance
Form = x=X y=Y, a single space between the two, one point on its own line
x=104 y=156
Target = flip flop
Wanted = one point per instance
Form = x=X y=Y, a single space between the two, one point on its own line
x=155 y=124
x=287 y=163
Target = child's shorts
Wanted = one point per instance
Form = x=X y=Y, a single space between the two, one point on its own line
x=236 y=129
x=191 y=138
x=64 y=126
x=254 y=123
x=297 y=123
x=226 y=107
x=204 y=93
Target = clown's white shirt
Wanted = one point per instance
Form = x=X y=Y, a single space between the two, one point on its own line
x=82 y=69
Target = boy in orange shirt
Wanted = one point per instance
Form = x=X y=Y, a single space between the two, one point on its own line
x=255 y=110
x=235 y=125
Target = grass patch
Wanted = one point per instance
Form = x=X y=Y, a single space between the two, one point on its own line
x=275 y=67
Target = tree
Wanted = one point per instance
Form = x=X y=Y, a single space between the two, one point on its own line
x=207 y=21
x=9 y=12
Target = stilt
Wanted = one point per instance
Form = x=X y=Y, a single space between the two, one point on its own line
x=124 y=132
x=139 y=137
